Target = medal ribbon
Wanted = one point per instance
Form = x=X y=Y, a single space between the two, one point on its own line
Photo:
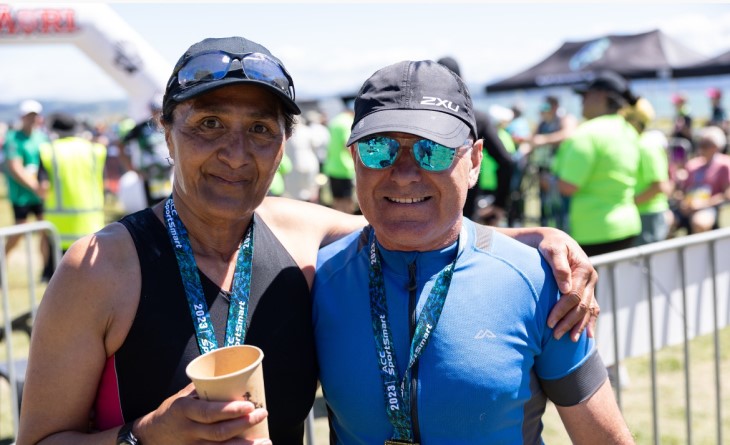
x=396 y=391
x=238 y=307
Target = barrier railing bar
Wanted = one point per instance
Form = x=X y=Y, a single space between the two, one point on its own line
x=25 y=229
x=652 y=352
x=716 y=340
x=614 y=309
x=7 y=318
x=685 y=327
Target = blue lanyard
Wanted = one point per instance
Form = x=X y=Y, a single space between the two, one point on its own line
x=238 y=307
x=396 y=391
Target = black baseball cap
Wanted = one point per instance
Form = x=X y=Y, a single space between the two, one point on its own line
x=62 y=122
x=234 y=45
x=423 y=98
x=611 y=82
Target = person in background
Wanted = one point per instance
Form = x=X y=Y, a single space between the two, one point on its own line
x=143 y=150
x=554 y=127
x=597 y=167
x=489 y=211
x=519 y=127
x=278 y=184
x=707 y=185
x=443 y=326
x=682 y=117
x=3 y=134
x=22 y=161
x=653 y=187
x=319 y=133
x=301 y=181
x=495 y=149
x=718 y=116
x=338 y=165
x=72 y=175
x=119 y=321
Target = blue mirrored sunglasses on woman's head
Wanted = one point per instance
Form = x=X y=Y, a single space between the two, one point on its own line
x=380 y=152
x=216 y=65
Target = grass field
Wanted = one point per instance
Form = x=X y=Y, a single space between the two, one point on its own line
x=636 y=398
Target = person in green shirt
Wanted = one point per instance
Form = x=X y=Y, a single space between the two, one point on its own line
x=278 y=187
x=652 y=183
x=22 y=160
x=338 y=166
x=597 y=168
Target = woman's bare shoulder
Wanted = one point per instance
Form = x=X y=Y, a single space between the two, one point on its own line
x=98 y=282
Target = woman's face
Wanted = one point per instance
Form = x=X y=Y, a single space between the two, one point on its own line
x=226 y=146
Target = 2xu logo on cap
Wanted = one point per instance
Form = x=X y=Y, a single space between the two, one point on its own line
x=429 y=100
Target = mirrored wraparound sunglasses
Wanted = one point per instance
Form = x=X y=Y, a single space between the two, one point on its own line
x=208 y=67
x=380 y=152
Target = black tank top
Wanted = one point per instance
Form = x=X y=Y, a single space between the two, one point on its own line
x=150 y=365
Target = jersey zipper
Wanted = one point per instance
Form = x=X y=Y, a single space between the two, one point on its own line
x=412 y=302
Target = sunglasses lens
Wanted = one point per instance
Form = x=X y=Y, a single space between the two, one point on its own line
x=204 y=68
x=260 y=67
x=432 y=156
x=378 y=152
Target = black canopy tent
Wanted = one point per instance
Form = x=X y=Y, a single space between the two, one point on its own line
x=715 y=66
x=647 y=55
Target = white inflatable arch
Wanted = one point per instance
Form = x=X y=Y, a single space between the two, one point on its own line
x=101 y=34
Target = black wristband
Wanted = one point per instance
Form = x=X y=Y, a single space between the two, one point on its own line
x=126 y=437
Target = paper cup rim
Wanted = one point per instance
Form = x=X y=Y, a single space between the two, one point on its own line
x=248 y=368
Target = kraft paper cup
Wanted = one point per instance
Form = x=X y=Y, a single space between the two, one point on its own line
x=232 y=373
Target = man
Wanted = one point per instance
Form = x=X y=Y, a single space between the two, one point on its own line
x=72 y=171
x=597 y=167
x=131 y=305
x=22 y=160
x=441 y=324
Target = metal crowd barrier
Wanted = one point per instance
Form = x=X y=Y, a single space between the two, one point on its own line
x=665 y=294
x=27 y=231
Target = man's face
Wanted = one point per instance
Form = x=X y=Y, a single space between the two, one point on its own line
x=226 y=146
x=30 y=121
x=413 y=209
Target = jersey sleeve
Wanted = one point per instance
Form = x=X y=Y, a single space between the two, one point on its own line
x=570 y=372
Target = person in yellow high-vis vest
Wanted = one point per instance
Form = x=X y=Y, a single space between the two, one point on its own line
x=72 y=169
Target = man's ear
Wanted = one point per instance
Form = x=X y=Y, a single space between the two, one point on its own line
x=476 y=162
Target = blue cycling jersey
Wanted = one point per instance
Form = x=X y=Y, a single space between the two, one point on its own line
x=490 y=362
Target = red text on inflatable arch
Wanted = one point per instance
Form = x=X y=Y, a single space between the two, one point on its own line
x=36 y=21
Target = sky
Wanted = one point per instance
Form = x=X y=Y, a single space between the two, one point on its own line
x=330 y=48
